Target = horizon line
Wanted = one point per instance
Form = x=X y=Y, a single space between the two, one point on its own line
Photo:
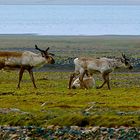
x=35 y=34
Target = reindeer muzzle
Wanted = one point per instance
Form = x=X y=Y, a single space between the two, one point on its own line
x=130 y=68
x=73 y=87
x=52 y=61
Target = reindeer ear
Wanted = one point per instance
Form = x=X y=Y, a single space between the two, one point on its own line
x=47 y=49
x=123 y=55
x=52 y=54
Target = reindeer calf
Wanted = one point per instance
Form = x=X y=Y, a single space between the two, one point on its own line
x=88 y=81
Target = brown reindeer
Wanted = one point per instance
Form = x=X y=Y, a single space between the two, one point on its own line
x=102 y=65
x=26 y=60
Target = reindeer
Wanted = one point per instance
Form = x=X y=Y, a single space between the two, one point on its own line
x=103 y=65
x=88 y=81
x=26 y=60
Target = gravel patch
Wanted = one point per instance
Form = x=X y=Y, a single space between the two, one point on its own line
x=68 y=133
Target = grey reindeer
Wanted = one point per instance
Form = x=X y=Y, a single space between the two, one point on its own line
x=105 y=66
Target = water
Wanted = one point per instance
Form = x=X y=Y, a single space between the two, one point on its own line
x=69 y=19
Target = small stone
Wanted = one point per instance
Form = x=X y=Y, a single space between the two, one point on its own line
x=13 y=136
x=15 y=110
x=50 y=127
x=74 y=127
x=94 y=129
x=103 y=129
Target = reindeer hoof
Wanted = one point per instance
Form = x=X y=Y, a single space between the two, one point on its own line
x=73 y=87
x=97 y=87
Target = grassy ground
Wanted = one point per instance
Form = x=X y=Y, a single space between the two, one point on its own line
x=53 y=103
x=73 y=46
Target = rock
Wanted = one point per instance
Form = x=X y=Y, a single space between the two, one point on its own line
x=94 y=129
x=9 y=110
x=13 y=136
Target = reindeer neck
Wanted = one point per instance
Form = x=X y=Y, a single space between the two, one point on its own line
x=33 y=59
x=117 y=63
x=38 y=60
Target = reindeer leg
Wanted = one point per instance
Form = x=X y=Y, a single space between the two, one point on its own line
x=20 y=75
x=104 y=77
x=107 y=78
x=32 y=76
x=81 y=80
x=71 y=78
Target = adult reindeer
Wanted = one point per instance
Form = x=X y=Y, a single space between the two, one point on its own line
x=26 y=60
x=103 y=65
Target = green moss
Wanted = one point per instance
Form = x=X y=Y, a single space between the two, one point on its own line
x=53 y=103
x=72 y=119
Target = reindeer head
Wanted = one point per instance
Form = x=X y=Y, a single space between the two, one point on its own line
x=126 y=61
x=46 y=55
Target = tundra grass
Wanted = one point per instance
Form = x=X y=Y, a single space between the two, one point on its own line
x=73 y=46
x=52 y=103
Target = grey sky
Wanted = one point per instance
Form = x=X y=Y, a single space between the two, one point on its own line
x=111 y=2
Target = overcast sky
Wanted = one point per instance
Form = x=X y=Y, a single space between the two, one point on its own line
x=111 y=2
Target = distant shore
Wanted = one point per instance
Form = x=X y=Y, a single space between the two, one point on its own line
x=106 y=35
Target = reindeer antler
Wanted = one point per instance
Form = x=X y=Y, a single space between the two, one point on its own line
x=47 y=49
x=36 y=47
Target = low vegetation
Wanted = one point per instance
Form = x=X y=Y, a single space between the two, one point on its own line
x=53 y=103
